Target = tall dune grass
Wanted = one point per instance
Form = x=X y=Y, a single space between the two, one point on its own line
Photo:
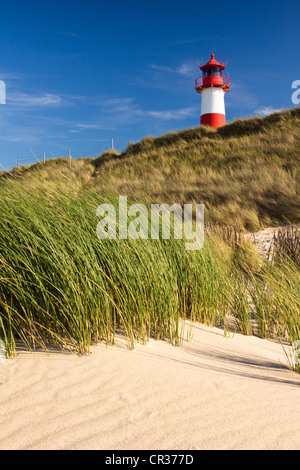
x=60 y=284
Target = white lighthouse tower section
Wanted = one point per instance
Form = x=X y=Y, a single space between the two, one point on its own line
x=212 y=101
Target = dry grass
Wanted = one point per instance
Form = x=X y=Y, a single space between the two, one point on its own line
x=286 y=242
x=247 y=173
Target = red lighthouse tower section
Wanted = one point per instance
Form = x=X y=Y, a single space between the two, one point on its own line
x=213 y=85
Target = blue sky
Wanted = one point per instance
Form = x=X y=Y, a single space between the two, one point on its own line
x=80 y=73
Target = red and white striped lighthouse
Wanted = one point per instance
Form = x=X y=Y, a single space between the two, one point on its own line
x=212 y=85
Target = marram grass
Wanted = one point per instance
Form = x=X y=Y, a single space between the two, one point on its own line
x=61 y=285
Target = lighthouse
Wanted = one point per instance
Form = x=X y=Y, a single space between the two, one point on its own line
x=213 y=85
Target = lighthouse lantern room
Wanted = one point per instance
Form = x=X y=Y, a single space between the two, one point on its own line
x=212 y=85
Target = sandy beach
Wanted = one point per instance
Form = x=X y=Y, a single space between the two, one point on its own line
x=214 y=392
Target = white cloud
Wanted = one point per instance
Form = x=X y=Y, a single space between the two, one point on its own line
x=121 y=111
x=23 y=99
x=9 y=76
x=162 y=68
x=117 y=104
x=25 y=118
x=88 y=126
x=266 y=110
x=186 y=69
x=115 y=113
x=170 y=115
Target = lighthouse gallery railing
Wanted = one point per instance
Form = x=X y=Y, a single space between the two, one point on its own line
x=223 y=81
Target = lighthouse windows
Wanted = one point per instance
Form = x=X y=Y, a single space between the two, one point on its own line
x=209 y=71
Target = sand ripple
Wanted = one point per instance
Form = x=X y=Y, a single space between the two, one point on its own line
x=213 y=393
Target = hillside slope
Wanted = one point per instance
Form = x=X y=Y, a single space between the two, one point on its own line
x=246 y=173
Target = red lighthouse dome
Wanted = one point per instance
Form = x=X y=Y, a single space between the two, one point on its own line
x=213 y=85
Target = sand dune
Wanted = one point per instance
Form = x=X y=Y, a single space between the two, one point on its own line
x=212 y=393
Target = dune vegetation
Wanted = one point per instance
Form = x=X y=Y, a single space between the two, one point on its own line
x=61 y=285
x=246 y=173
